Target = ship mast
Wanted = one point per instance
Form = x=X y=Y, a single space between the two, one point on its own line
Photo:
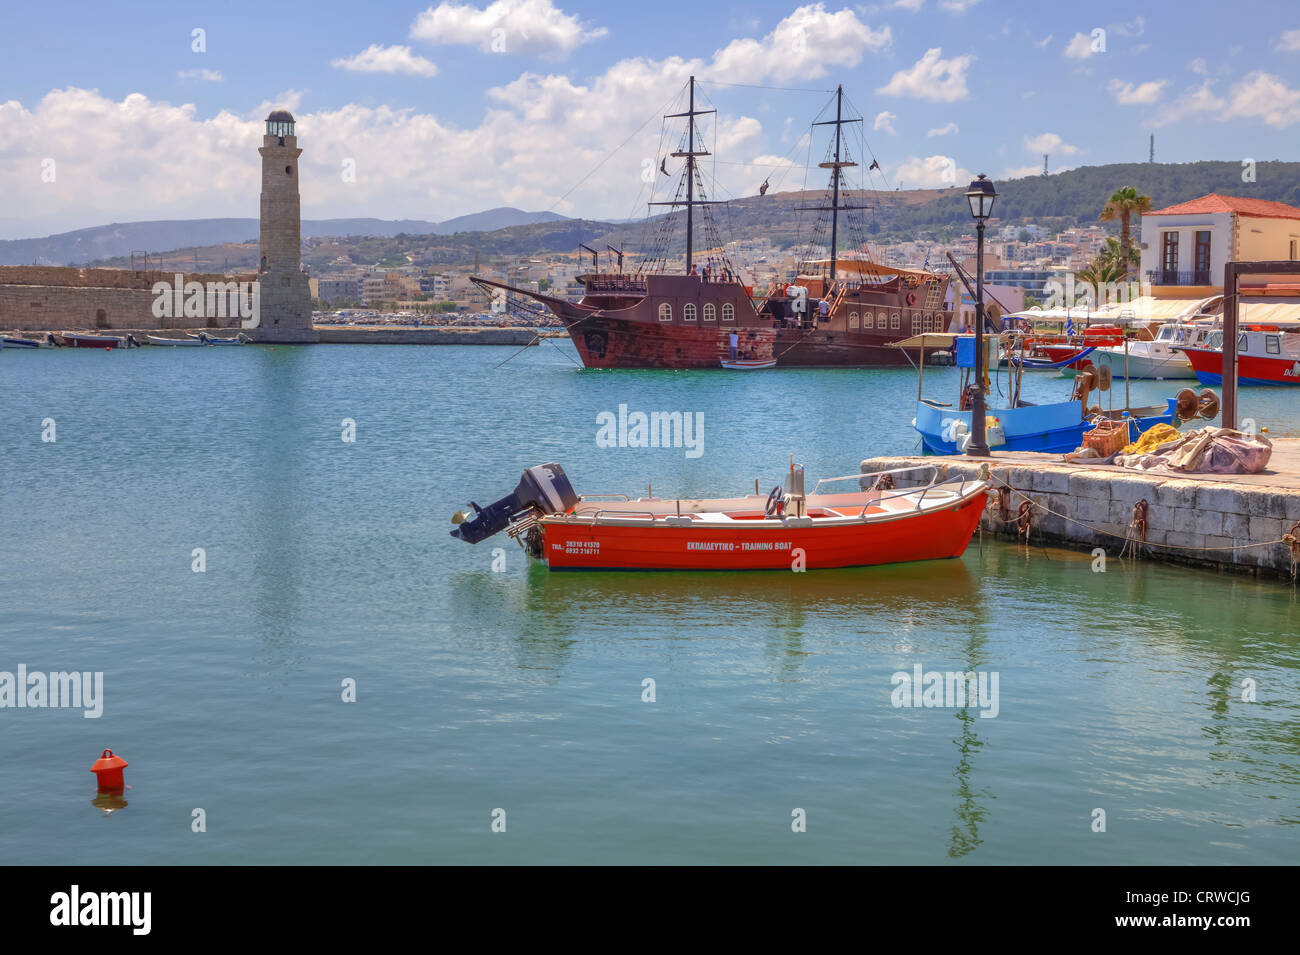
x=836 y=166
x=690 y=156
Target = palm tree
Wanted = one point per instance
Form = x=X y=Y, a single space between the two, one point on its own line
x=1122 y=205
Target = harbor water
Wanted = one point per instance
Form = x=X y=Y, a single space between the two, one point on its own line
x=1167 y=699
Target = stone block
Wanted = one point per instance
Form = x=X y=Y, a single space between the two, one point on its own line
x=1083 y=484
x=1224 y=498
x=1265 y=529
x=1236 y=526
x=1180 y=494
x=1051 y=480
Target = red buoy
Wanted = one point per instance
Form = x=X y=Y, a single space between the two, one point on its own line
x=108 y=768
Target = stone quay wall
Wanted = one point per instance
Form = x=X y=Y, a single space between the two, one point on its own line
x=51 y=298
x=1203 y=520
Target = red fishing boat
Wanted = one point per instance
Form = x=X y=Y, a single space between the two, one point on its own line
x=787 y=530
x=86 y=340
x=1265 y=356
x=836 y=312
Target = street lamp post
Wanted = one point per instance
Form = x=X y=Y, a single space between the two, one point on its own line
x=980 y=195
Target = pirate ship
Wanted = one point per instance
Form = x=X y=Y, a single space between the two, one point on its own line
x=836 y=311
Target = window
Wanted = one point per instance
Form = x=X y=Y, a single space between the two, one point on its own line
x=665 y=312
x=1169 y=258
x=916 y=323
x=853 y=319
x=1294 y=245
x=926 y=323
x=710 y=312
x=728 y=312
x=1273 y=345
x=1241 y=342
x=1202 y=257
x=868 y=319
x=688 y=312
x=894 y=322
x=884 y=321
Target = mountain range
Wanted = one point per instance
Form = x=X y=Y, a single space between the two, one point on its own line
x=1070 y=198
x=120 y=239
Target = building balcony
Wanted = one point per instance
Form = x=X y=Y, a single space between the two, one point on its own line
x=1199 y=277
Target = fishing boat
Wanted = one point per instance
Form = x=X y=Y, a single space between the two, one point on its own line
x=10 y=341
x=1265 y=356
x=838 y=311
x=748 y=364
x=1160 y=358
x=207 y=339
x=87 y=340
x=174 y=342
x=787 y=530
x=1021 y=425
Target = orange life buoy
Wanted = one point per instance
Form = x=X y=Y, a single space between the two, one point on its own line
x=911 y=298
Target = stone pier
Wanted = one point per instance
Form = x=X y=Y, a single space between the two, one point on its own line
x=1224 y=521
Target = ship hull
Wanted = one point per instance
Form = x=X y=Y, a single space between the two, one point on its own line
x=604 y=342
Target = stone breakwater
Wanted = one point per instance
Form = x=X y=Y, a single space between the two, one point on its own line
x=1233 y=522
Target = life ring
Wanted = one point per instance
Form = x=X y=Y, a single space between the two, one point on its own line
x=911 y=298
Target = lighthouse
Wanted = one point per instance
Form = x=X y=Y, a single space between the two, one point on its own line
x=284 y=313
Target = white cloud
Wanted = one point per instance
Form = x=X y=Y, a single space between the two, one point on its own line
x=538 y=135
x=1020 y=172
x=1079 y=47
x=207 y=76
x=885 y=121
x=957 y=6
x=1143 y=94
x=932 y=172
x=1199 y=65
x=387 y=59
x=1135 y=28
x=1050 y=143
x=1289 y=42
x=912 y=5
x=506 y=26
x=1045 y=40
x=932 y=78
x=1195 y=101
x=804 y=44
x=943 y=130
x=1267 y=97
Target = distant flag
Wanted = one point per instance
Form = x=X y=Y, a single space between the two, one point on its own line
x=663 y=164
x=762 y=190
x=874 y=165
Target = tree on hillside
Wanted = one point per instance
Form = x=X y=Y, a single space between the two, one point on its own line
x=1122 y=204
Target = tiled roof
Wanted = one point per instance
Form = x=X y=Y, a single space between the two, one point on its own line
x=1258 y=208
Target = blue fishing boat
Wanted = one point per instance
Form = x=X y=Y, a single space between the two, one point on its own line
x=1022 y=426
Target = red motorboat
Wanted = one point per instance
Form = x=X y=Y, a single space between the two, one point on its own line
x=786 y=531
x=1265 y=356
x=80 y=340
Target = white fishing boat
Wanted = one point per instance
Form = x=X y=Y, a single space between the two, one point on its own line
x=1158 y=359
x=207 y=339
x=174 y=342
x=748 y=364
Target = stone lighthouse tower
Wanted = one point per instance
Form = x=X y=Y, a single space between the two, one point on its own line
x=285 y=295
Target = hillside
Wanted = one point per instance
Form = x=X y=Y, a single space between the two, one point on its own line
x=120 y=239
x=1066 y=199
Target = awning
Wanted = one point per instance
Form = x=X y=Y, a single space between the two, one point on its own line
x=928 y=340
x=1282 y=312
x=1142 y=310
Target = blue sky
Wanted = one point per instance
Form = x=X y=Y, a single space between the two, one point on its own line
x=451 y=108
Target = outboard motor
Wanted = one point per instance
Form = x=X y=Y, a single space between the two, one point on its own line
x=544 y=488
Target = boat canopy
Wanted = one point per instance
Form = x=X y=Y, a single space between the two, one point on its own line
x=928 y=340
x=1282 y=312
x=1142 y=310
